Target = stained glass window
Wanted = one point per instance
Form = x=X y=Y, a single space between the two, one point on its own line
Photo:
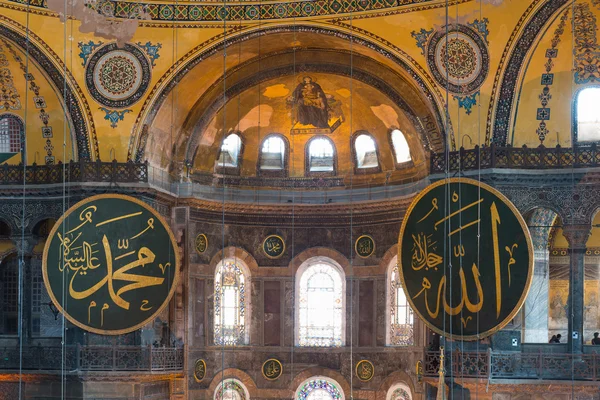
x=230 y=151
x=319 y=389
x=231 y=389
x=366 y=154
x=321 y=306
x=401 y=149
x=230 y=305
x=401 y=315
x=588 y=119
x=399 y=392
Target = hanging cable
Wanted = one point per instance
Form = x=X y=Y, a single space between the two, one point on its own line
x=352 y=278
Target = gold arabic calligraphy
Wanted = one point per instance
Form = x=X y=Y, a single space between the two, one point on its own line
x=425 y=257
x=81 y=256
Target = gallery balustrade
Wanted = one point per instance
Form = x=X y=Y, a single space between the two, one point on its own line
x=91 y=358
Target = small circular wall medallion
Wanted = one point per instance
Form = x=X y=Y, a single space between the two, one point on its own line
x=274 y=246
x=199 y=370
x=201 y=243
x=364 y=246
x=272 y=369
x=365 y=370
x=118 y=77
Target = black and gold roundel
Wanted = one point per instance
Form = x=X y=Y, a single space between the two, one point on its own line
x=364 y=246
x=201 y=243
x=110 y=264
x=365 y=370
x=454 y=282
x=272 y=369
x=274 y=246
x=199 y=370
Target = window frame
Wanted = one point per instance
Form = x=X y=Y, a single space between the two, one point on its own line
x=227 y=170
x=575 y=119
x=220 y=385
x=360 y=170
x=279 y=173
x=7 y=262
x=307 y=170
x=306 y=266
x=403 y=164
x=396 y=386
x=10 y=115
x=389 y=296
x=245 y=340
x=332 y=382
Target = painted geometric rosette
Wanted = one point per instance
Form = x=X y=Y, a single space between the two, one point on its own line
x=118 y=77
x=466 y=56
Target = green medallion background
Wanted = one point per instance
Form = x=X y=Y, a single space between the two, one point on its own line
x=428 y=254
x=141 y=287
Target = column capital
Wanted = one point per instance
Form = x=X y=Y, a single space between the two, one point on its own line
x=577 y=236
x=24 y=244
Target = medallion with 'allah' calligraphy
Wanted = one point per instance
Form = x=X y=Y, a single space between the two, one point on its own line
x=460 y=284
x=110 y=264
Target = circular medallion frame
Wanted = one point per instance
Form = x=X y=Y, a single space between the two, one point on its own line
x=176 y=268
x=118 y=77
x=467 y=55
x=358 y=242
x=199 y=365
x=201 y=238
x=529 y=251
x=362 y=367
x=266 y=364
x=266 y=242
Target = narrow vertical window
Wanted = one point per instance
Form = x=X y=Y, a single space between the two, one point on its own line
x=230 y=305
x=401 y=149
x=401 y=315
x=588 y=118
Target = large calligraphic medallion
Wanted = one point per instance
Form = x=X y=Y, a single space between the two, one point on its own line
x=274 y=246
x=201 y=243
x=466 y=258
x=365 y=370
x=199 y=370
x=364 y=246
x=110 y=264
x=272 y=369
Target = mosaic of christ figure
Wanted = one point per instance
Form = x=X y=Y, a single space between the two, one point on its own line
x=310 y=104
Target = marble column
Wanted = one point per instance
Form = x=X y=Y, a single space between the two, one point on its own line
x=536 y=304
x=577 y=236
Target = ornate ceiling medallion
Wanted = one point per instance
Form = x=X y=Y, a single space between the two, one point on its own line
x=118 y=77
x=458 y=59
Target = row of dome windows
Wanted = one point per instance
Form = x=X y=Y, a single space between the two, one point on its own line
x=320 y=152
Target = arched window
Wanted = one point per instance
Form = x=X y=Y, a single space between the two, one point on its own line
x=9 y=292
x=399 y=391
x=320 y=155
x=320 y=304
x=400 y=331
x=11 y=134
x=231 y=304
x=230 y=151
x=319 y=388
x=366 y=153
x=588 y=118
x=272 y=155
x=401 y=149
x=231 y=389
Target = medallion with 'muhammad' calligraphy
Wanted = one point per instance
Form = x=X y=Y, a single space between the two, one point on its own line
x=460 y=284
x=110 y=264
